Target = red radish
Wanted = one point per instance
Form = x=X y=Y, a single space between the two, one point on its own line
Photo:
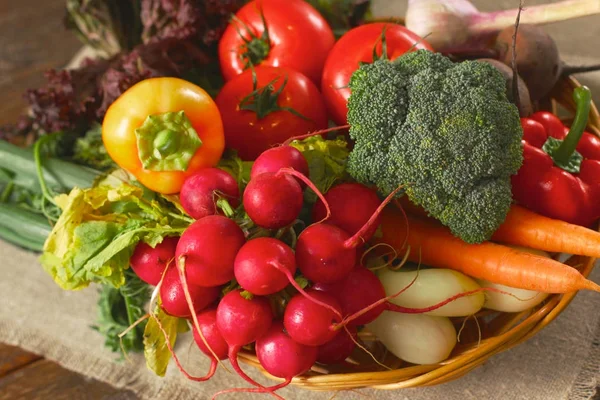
x=242 y=322
x=207 y=320
x=266 y=265
x=309 y=323
x=326 y=253
x=352 y=204
x=274 y=159
x=173 y=298
x=274 y=200
x=207 y=250
x=371 y=290
x=280 y=356
x=149 y=263
x=283 y=357
x=339 y=348
x=200 y=192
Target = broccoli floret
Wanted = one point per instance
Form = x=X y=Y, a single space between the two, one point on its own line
x=445 y=131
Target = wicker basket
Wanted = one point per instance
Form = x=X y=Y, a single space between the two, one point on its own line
x=487 y=334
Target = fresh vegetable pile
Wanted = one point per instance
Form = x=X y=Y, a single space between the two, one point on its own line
x=235 y=209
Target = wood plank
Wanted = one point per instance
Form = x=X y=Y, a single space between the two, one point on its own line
x=32 y=40
x=13 y=358
x=44 y=379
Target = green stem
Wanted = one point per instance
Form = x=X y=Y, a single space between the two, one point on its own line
x=224 y=205
x=583 y=98
x=180 y=217
x=7 y=192
x=57 y=173
x=130 y=318
x=37 y=156
x=167 y=142
x=147 y=207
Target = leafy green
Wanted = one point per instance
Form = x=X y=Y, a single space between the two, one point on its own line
x=301 y=281
x=326 y=162
x=108 y=26
x=240 y=170
x=89 y=150
x=120 y=308
x=156 y=351
x=342 y=14
x=99 y=228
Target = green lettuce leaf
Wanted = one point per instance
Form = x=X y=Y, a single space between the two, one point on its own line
x=98 y=230
x=120 y=308
x=326 y=162
x=239 y=169
x=156 y=351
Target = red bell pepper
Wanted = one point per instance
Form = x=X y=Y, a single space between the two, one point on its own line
x=560 y=175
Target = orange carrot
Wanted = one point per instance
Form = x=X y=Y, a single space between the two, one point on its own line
x=528 y=229
x=434 y=245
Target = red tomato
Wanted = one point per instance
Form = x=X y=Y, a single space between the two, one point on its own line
x=357 y=46
x=298 y=38
x=253 y=125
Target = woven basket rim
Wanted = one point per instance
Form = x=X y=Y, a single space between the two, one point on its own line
x=519 y=327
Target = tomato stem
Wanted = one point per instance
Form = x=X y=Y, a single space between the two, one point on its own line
x=255 y=48
x=263 y=101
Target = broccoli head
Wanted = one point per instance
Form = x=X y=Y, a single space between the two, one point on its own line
x=444 y=131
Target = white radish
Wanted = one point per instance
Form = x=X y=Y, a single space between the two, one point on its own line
x=433 y=286
x=416 y=338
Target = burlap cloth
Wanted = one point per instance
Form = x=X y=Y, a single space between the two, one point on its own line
x=561 y=362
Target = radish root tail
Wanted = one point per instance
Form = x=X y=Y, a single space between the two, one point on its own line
x=213 y=363
x=186 y=290
x=353 y=241
x=315 y=133
x=254 y=390
x=363 y=348
x=310 y=184
x=233 y=359
x=374 y=305
x=293 y=282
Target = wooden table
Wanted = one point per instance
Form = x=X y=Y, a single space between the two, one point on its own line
x=32 y=40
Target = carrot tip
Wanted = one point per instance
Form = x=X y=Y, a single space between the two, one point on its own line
x=591 y=285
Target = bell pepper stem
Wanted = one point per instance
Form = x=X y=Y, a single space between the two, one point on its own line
x=583 y=98
x=167 y=142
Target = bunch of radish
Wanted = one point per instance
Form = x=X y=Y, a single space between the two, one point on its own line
x=227 y=282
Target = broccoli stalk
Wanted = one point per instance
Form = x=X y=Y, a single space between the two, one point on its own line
x=444 y=131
